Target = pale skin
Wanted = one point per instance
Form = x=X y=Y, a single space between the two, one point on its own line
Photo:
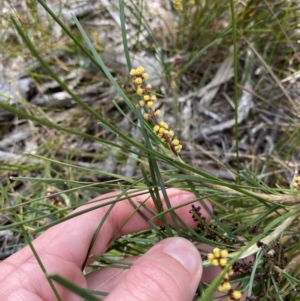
x=172 y=269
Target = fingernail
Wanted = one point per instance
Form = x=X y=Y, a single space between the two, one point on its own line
x=183 y=251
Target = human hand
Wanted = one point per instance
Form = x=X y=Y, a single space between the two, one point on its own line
x=171 y=270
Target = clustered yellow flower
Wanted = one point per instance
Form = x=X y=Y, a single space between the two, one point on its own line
x=178 y=5
x=161 y=129
x=219 y=258
x=296 y=183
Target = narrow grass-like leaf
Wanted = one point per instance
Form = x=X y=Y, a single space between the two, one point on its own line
x=257 y=261
x=95 y=236
x=235 y=87
x=124 y=33
x=84 y=293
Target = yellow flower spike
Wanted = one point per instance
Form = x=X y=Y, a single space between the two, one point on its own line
x=224 y=253
x=156 y=128
x=139 y=91
x=157 y=113
x=153 y=98
x=236 y=295
x=210 y=257
x=223 y=262
x=150 y=104
x=226 y=286
x=138 y=81
x=161 y=129
x=215 y=262
x=216 y=252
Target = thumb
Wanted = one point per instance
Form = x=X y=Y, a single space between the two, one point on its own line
x=170 y=271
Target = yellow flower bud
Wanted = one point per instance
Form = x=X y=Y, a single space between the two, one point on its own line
x=150 y=104
x=139 y=70
x=223 y=262
x=231 y=272
x=210 y=257
x=164 y=125
x=156 y=128
x=145 y=75
x=236 y=295
x=175 y=142
x=157 y=113
x=146 y=97
x=139 y=91
x=132 y=72
x=142 y=103
x=171 y=134
x=224 y=253
x=216 y=252
x=226 y=286
x=138 y=81
x=153 y=98
x=146 y=116
x=161 y=130
x=178 y=148
x=215 y=262
x=148 y=86
x=220 y=288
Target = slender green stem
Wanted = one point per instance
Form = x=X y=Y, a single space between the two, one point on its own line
x=235 y=70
